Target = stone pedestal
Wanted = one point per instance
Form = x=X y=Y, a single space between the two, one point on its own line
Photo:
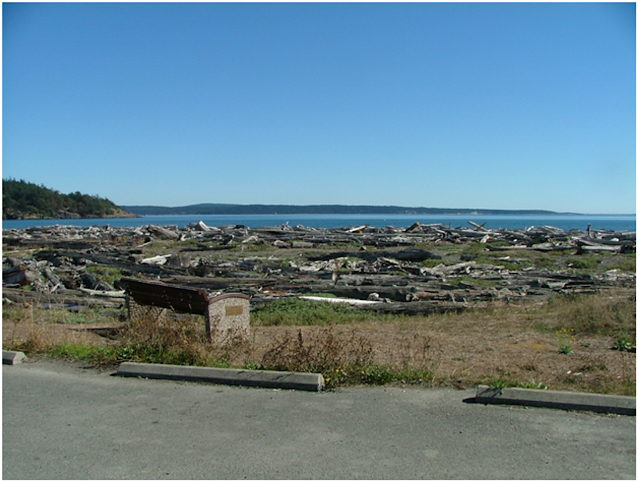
x=228 y=316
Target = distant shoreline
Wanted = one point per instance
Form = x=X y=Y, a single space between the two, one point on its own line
x=325 y=209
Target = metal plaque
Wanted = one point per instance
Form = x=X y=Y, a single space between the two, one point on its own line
x=234 y=310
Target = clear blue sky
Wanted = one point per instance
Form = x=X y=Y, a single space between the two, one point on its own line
x=503 y=106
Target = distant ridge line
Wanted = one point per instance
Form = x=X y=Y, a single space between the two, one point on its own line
x=235 y=209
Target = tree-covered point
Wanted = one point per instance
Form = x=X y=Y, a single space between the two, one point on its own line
x=25 y=200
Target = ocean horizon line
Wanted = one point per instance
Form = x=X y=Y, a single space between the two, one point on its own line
x=490 y=221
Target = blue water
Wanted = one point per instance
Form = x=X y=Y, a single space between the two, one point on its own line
x=598 y=222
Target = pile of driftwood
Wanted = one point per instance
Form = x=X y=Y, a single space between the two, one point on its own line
x=543 y=238
x=385 y=265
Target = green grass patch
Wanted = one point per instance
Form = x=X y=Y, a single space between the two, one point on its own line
x=345 y=244
x=626 y=263
x=475 y=248
x=155 y=247
x=296 y=312
x=133 y=352
x=107 y=274
x=473 y=281
x=505 y=264
x=100 y=355
x=432 y=263
x=19 y=313
x=546 y=261
x=587 y=262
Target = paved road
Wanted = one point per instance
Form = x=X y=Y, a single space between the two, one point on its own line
x=64 y=422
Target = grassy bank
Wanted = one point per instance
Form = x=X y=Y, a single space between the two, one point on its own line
x=584 y=343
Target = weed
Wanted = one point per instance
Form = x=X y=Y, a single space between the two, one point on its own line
x=623 y=343
x=413 y=376
x=532 y=385
x=167 y=338
x=499 y=382
x=565 y=349
x=376 y=375
x=627 y=379
x=28 y=316
x=321 y=352
x=418 y=352
x=347 y=361
x=565 y=338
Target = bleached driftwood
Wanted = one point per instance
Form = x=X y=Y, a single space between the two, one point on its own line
x=156 y=260
x=103 y=293
x=348 y=301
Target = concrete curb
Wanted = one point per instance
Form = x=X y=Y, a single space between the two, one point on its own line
x=554 y=399
x=12 y=357
x=227 y=376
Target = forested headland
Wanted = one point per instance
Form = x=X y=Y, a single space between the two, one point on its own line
x=26 y=200
x=242 y=209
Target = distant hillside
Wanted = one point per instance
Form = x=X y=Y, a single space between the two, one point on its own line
x=25 y=200
x=240 y=209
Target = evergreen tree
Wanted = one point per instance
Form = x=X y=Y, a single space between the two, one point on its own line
x=21 y=199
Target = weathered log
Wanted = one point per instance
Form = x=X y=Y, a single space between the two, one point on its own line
x=415 y=227
x=347 y=301
x=18 y=275
x=410 y=255
x=103 y=293
x=156 y=260
x=479 y=227
x=358 y=229
x=162 y=232
x=598 y=249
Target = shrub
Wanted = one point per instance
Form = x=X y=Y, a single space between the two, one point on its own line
x=348 y=361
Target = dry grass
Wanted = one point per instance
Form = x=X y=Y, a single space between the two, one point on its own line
x=503 y=344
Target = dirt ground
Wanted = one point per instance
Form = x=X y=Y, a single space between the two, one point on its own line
x=461 y=350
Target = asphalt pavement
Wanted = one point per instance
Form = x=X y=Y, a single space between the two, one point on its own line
x=66 y=421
